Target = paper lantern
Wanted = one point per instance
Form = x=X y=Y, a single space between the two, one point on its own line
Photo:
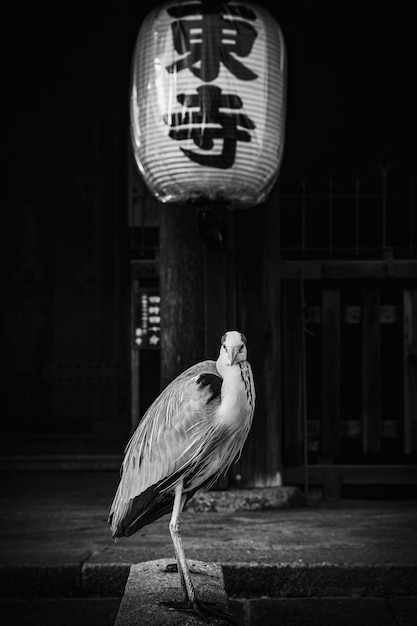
x=208 y=102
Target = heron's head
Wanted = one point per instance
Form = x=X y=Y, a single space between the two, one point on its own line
x=232 y=349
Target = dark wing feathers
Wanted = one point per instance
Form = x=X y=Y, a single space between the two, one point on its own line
x=213 y=382
x=142 y=510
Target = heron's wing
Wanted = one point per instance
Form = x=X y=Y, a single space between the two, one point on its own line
x=166 y=438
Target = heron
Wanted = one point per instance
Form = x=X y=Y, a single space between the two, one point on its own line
x=187 y=439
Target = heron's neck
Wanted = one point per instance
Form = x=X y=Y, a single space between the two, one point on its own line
x=232 y=380
x=233 y=393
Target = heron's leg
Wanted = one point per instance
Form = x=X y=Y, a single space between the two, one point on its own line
x=203 y=609
x=174 y=529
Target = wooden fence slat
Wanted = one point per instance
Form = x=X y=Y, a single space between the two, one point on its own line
x=410 y=371
x=330 y=426
x=371 y=374
x=292 y=372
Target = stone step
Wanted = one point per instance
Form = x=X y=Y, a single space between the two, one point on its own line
x=242 y=580
x=392 y=611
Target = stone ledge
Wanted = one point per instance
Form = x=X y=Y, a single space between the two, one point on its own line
x=257 y=499
x=150 y=584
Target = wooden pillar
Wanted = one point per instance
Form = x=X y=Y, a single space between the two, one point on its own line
x=181 y=289
x=216 y=271
x=215 y=301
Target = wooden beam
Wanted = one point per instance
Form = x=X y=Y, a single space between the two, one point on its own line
x=330 y=425
x=371 y=372
x=410 y=371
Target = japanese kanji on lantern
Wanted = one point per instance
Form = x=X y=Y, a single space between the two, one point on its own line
x=208 y=101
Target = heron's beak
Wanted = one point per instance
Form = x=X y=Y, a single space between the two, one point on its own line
x=233 y=354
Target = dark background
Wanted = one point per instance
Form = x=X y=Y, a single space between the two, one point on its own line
x=65 y=86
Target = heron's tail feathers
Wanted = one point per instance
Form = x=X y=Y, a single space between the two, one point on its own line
x=127 y=517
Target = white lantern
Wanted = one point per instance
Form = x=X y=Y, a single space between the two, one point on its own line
x=208 y=102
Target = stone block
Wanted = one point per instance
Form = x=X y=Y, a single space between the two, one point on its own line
x=150 y=585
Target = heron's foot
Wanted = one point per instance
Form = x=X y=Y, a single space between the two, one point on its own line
x=204 y=610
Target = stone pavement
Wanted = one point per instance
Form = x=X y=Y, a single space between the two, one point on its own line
x=340 y=562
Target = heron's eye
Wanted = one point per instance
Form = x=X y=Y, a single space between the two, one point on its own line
x=224 y=346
